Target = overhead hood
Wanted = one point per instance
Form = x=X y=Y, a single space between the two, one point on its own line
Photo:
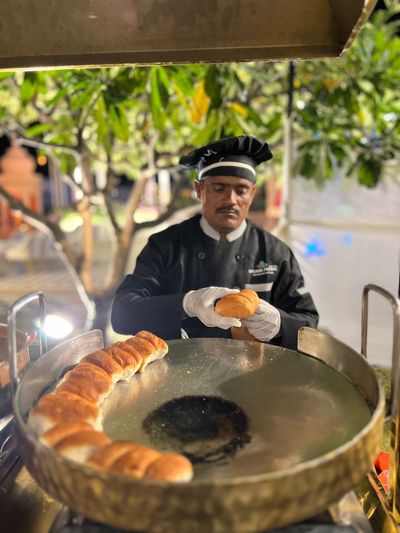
x=54 y=33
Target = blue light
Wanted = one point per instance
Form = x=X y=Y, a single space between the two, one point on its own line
x=314 y=248
x=347 y=239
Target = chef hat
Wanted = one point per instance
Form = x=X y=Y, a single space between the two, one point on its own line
x=232 y=156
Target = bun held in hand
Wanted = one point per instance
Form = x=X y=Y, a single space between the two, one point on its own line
x=240 y=305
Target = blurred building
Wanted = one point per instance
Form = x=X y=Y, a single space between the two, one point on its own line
x=19 y=178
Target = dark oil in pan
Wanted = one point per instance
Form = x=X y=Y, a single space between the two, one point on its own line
x=204 y=428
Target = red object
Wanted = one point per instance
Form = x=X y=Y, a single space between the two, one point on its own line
x=382 y=462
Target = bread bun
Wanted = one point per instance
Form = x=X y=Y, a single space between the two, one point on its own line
x=87 y=381
x=106 y=362
x=170 y=467
x=105 y=456
x=131 y=349
x=239 y=305
x=80 y=445
x=144 y=347
x=160 y=347
x=128 y=362
x=59 y=432
x=135 y=462
x=62 y=406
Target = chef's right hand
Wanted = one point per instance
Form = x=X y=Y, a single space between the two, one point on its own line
x=200 y=304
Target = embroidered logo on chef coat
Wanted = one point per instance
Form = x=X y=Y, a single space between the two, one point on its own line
x=263 y=268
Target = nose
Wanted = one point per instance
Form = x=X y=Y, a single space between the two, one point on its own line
x=230 y=196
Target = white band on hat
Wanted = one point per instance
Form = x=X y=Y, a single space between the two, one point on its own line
x=227 y=164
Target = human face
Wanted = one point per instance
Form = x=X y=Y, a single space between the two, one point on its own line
x=225 y=201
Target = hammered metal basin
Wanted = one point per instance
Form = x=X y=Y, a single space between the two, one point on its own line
x=307 y=435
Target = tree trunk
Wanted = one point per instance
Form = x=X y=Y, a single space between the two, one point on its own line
x=102 y=313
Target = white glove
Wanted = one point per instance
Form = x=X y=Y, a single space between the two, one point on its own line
x=200 y=304
x=265 y=323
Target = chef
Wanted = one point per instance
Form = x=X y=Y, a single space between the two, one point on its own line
x=185 y=268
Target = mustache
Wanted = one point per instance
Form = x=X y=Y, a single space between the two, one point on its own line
x=228 y=210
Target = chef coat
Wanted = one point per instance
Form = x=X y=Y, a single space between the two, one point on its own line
x=183 y=258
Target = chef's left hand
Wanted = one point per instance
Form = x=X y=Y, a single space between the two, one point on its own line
x=265 y=323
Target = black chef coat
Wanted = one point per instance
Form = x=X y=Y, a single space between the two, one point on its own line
x=183 y=258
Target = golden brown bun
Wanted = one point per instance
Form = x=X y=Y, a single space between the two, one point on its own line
x=123 y=357
x=145 y=348
x=135 y=462
x=160 y=347
x=131 y=349
x=79 y=445
x=238 y=305
x=105 y=361
x=128 y=362
x=242 y=334
x=105 y=456
x=91 y=371
x=157 y=342
x=61 y=431
x=62 y=406
x=170 y=467
x=87 y=381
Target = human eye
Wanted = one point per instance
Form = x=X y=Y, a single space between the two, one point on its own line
x=242 y=191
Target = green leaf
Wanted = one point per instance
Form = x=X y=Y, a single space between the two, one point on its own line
x=210 y=131
x=6 y=75
x=102 y=124
x=38 y=129
x=28 y=88
x=254 y=117
x=182 y=81
x=83 y=99
x=366 y=85
x=274 y=123
x=369 y=171
x=58 y=96
x=213 y=87
x=119 y=123
x=156 y=100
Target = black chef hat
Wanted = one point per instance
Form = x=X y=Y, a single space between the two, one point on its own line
x=232 y=156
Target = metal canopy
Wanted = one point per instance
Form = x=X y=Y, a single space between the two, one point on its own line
x=50 y=33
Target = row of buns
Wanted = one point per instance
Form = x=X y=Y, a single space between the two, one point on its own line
x=80 y=442
x=69 y=419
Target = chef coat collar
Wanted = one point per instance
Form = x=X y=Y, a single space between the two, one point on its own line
x=232 y=236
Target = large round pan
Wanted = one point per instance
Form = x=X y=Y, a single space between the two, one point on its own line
x=290 y=433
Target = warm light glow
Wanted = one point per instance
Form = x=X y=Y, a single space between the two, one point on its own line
x=78 y=175
x=42 y=160
x=57 y=327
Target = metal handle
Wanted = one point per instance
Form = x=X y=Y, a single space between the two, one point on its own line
x=12 y=333
x=395 y=386
x=395 y=303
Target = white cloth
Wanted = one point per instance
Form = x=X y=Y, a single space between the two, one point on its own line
x=265 y=323
x=200 y=304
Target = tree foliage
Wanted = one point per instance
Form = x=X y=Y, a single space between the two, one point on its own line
x=349 y=108
x=139 y=120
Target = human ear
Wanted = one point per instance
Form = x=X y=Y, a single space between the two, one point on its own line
x=198 y=186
